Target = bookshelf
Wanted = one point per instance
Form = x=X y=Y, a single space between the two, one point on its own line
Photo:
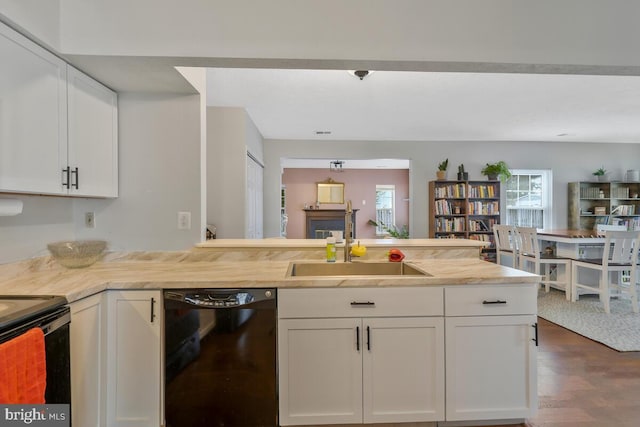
x=613 y=203
x=464 y=210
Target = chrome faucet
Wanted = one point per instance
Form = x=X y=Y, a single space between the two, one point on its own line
x=348 y=227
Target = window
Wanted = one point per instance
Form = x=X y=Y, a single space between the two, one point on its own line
x=528 y=198
x=385 y=207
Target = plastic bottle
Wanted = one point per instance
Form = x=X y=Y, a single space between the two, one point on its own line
x=331 y=249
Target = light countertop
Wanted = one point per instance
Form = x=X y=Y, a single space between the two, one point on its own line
x=169 y=273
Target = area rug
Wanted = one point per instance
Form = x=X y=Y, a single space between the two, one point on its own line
x=619 y=330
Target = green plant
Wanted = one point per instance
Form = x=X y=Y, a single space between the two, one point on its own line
x=461 y=168
x=403 y=233
x=442 y=166
x=499 y=169
x=600 y=172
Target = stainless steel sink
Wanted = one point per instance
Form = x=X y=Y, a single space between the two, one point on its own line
x=353 y=269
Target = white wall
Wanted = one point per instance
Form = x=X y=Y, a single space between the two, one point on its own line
x=43 y=220
x=569 y=162
x=40 y=19
x=159 y=167
x=230 y=135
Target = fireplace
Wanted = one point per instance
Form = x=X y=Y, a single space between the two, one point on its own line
x=321 y=222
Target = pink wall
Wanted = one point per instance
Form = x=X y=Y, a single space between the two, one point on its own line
x=359 y=186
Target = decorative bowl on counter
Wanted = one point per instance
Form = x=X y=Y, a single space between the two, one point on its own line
x=77 y=253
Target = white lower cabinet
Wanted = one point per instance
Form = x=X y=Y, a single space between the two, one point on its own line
x=359 y=367
x=491 y=367
x=403 y=369
x=491 y=348
x=378 y=355
x=320 y=371
x=88 y=332
x=134 y=370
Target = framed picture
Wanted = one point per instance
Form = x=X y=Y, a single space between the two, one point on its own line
x=330 y=192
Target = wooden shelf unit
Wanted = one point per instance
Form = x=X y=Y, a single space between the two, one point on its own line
x=464 y=210
x=621 y=198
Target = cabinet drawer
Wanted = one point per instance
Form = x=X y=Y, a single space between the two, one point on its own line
x=491 y=300
x=360 y=302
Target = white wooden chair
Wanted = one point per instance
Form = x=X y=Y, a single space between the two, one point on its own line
x=545 y=265
x=620 y=255
x=505 y=242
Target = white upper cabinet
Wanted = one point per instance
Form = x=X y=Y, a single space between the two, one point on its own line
x=58 y=127
x=33 y=116
x=93 y=136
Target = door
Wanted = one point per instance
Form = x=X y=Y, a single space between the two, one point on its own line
x=33 y=117
x=93 y=137
x=134 y=371
x=403 y=369
x=88 y=361
x=491 y=367
x=320 y=365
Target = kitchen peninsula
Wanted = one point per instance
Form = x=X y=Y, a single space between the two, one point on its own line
x=446 y=332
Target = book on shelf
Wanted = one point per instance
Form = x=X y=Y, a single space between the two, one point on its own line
x=624 y=210
x=591 y=193
x=444 y=225
x=483 y=208
x=482 y=191
x=450 y=191
x=600 y=210
x=485 y=225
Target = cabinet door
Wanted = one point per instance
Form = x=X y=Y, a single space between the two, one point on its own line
x=134 y=369
x=320 y=371
x=93 y=137
x=88 y=365
x=491 y=367
x=403 y=369
x=33 y=117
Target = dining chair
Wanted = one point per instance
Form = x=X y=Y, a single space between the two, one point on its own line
x=505 y=242
x=543 y=264
x=620 y=256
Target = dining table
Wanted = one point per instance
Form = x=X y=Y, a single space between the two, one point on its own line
x=574 y=244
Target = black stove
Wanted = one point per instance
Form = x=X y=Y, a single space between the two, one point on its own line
x=16 y=309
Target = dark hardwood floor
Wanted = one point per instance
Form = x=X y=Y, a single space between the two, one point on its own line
x=584 y=383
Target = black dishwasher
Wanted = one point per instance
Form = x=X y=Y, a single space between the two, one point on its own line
x=220 y=357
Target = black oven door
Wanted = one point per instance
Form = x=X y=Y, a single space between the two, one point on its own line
x=55 y=325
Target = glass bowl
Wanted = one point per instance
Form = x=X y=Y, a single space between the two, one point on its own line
x=77 y=253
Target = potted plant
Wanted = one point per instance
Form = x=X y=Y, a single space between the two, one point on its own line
x=601 y=174
x=393 y=231
x=496 y=170
x=462 y=175
x=442 y=169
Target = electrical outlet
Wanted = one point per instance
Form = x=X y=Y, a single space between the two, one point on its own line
x=90 y=219
x=184 y=220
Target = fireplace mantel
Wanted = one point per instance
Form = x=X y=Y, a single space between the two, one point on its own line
x=320 y=222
